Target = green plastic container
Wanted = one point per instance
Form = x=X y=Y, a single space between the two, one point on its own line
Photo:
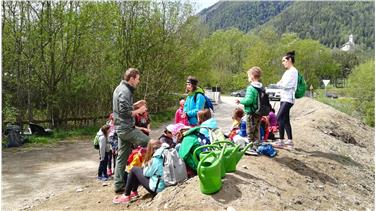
x=209 y=173
x=232 y=156
x=216 y=150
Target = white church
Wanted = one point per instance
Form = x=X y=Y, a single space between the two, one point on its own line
x=349 y=45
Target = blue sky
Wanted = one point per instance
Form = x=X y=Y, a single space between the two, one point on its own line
x=201 y=4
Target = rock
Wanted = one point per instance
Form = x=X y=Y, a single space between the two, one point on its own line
x=79 y=190
x=66 y=208
x=298 y=201
x=244 y=167
x=231 y=209
x=105 y=184
x=98 y=202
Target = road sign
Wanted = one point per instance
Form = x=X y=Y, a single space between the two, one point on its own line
x=326 y=82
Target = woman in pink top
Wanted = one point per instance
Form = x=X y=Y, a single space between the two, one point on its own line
x=179 y=113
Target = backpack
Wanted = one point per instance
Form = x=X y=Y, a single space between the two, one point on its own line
x=216 y=134
x=301 y=87
x=208 y=103
x=96 y=142
x=136 y=158
x=263 y=104
x=174 y=169
x=267 y=149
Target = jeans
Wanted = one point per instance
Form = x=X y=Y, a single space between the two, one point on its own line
x=125 y=141
x=102 y=166
x=283 y=118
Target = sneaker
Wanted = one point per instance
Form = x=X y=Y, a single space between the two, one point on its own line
x=134 y=195
x=102 y=179
x=278 y=144
x=288 y=144
x=122 y=199
x=109 y=172
x=251 y=151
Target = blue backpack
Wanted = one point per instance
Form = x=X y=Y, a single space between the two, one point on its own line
x=267 y=149
x=208 y=102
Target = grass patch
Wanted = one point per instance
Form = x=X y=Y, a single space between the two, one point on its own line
x=159 y=118
x=60 y=134
x=343 y=103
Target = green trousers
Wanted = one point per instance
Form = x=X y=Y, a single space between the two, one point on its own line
x=126 y=140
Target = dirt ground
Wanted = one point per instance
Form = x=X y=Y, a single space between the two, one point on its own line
x=331 y=167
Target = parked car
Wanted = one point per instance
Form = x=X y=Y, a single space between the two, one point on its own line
x=331 y=95
x=239 y=93
x=274 y=91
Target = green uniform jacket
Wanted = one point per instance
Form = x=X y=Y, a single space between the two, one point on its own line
x=250 y=100
x=189 y=144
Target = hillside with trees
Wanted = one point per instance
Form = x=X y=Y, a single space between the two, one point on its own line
x=242 y=15
x=62 y=60
x=329 y=22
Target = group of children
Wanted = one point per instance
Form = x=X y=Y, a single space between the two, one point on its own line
x=145 y=167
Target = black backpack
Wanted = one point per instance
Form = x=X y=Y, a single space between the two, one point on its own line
x=263 y=104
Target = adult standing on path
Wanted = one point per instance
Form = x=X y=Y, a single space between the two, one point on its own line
x=195 y=100
x=288 y=83
x=125 y=123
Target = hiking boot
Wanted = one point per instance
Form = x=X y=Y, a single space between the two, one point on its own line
x=119 y=191
x=122 y=199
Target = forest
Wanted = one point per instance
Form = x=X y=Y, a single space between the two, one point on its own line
x=62 y=60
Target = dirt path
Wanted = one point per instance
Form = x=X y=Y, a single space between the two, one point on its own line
x=322 y=172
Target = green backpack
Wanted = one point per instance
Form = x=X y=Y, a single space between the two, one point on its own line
x=96 y=142
x=301 y=89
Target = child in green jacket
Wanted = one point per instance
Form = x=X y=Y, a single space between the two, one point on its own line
x=250 y=105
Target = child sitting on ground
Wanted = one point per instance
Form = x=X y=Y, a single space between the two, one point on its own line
x=206 y=122
x=167 y=136
x=273 y=124
x=150 y=177
x=236 y=119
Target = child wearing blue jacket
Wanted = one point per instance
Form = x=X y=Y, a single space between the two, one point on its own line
x=147 y=176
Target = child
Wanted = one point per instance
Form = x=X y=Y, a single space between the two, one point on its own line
x=112 y=138
x=150 y=177
x=250 y=105
x=236 y=119
x=103 y=152
x=142 y=121
x=206 y=122
x=167 y=136
x=273 y=124
x=179 y=114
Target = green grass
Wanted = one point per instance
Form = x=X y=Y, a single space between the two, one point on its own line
x=159 y=118
x=59 y=134
x=343 y=103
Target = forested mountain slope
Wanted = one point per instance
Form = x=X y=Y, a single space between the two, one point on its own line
x=329 y=22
